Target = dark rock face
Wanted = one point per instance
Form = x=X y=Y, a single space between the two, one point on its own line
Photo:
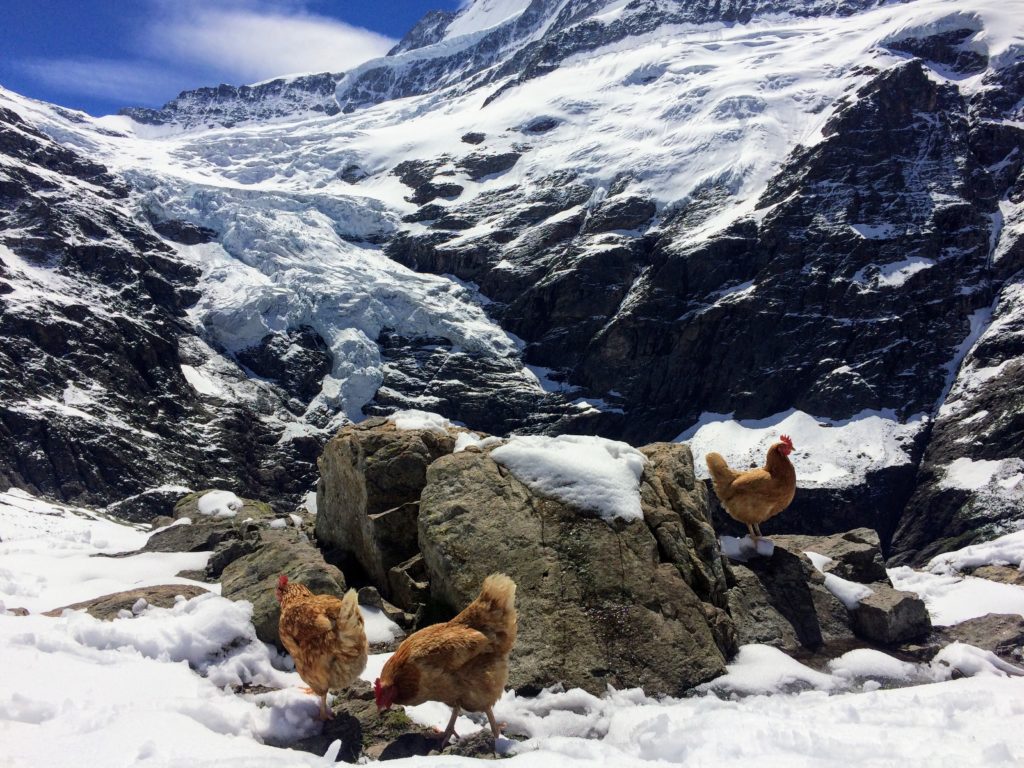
x=96 y=407
x=297 y=360
x=229 y=105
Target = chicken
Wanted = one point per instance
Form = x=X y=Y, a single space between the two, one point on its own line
x=462 y=663
x=756 y=495
x=325 y=637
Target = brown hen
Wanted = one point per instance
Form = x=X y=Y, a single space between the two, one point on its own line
x=462 y=663
x=756 y=495
x=324 y=635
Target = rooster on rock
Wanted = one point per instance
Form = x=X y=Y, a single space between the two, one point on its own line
x=756 y=495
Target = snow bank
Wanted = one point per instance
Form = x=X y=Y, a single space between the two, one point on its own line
x=763 y=669
x=588 y=473
x=951 y=599
x=467 y=439
x=47 y=555
x=828 y=453
x=379 y=628
x=1005 y=550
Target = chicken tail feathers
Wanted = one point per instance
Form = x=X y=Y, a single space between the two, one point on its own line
x=722 y=474
x=499 y=590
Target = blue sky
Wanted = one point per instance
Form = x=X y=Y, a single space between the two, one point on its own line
x=101 y=55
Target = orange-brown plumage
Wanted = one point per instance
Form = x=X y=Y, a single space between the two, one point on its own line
x=756 y=495
x=462 y=663
x=325 y=637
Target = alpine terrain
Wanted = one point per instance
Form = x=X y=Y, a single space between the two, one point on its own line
x=649 y=220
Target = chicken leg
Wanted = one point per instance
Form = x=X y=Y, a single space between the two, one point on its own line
x=495 y=725
x=450 y=730
x=325 y=713
x=753 y=536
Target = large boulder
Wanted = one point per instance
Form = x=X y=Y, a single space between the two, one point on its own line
x=371 y=476
x=598 y=603
x=253 y=577
x=855 y=555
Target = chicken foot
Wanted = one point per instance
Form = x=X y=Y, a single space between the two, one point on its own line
x=450 y=730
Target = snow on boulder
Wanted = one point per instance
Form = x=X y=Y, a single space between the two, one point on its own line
x=588 y=473
x=219 y=504
x=416 y=419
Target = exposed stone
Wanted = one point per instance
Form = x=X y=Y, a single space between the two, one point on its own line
x=1003 y=634
x=782 y=601
x=408 y=583
x=473 y=137
x=1004 y=574
x=596 y=605
x=479 y=165
x=371 y=478
x=107 y=607
x=856 y=555
x=891 y=617
x=364 y=731
x=254 y=576
x=622 y=213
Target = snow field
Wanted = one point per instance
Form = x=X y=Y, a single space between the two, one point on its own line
x=154 y=687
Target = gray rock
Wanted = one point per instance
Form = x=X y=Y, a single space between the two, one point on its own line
x=408 y=583
x=856 y=554
x=480 y=164
x=596 y=604
x=254 y=576
x=108 y=607
x=891 y=617
x=1003 y=634
x=371 y=478
x=782 y=601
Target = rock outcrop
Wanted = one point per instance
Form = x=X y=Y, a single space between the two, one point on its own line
x=371 y=477
x=597 y=603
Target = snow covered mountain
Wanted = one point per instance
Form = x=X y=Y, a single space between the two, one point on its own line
x=647 y=219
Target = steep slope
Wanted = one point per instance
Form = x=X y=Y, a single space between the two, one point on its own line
x=96 y=403
x=683 y=216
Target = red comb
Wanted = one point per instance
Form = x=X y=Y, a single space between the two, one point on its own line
x=282 y=581
x=787 y=440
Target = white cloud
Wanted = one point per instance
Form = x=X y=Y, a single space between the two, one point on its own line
x=131 y=82
x=252 y=43
x=185 y=44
